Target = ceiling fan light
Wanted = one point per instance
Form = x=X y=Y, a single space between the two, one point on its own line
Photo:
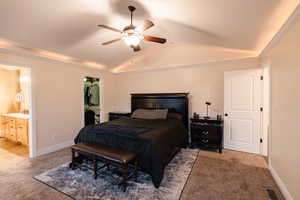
x=132 y=37
x=131 y=40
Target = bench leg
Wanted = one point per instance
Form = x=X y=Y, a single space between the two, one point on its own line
x=95 y=168
x=135 y=170
x=124 y=176
x=72 y=164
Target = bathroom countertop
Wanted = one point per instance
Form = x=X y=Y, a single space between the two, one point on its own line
x=17 y=115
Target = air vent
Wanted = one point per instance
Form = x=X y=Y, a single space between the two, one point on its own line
x=272 y=194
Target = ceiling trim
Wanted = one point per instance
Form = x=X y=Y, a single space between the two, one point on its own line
x=282 y=31
x=12 y=46
x=9 y=67
x=243 y=61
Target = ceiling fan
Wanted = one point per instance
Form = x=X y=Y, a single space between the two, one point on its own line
x=133 y=35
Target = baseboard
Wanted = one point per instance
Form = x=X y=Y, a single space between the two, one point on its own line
x=55 y=148
x=280 y=183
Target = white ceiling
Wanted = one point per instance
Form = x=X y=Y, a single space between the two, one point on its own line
x=69 y=27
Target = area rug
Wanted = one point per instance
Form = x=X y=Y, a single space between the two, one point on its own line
x=80 y=184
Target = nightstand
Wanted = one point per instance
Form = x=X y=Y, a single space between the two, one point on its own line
x=207 y=134
x=117 y=115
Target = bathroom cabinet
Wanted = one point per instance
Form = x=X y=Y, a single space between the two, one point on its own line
x=15 y=129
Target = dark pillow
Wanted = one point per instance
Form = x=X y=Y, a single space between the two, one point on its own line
x=174 y=115
x=150 y=114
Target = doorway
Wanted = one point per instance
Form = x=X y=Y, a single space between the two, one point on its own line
x=243 y=107
x=15 y=106
x=91 y=101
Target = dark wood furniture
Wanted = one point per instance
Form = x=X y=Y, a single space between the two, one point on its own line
x=117 y=115
x=109 y=156
x=207 y=134
x=174 y=102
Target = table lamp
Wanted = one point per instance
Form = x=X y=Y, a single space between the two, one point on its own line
x=207 y=106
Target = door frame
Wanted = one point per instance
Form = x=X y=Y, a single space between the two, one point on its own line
x=32 y=135
x=266 y=109
x=101 y=99
x=32 y=118
x=265 y=102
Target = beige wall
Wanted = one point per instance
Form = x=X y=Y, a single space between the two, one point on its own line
x=203 y=82
x=285 y=134
x=9 y=85
x=58 y=97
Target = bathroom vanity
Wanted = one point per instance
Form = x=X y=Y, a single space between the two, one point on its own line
x=15 y=127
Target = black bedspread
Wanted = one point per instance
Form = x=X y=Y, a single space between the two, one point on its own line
x=154 y=141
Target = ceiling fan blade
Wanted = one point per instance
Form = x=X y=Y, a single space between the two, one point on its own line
x=136 y=48
x=145 y=26
x=110 y=28
x=111 y=41
x=155 y=39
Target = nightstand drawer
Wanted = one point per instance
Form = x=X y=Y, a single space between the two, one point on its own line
x=207 y=134
x=206 y=142
x=207 y=131
x=209 y=142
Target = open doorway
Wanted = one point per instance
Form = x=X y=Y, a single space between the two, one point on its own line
x=14 y=111
x=91 y=101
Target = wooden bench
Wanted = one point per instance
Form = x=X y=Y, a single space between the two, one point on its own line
x=107 y=155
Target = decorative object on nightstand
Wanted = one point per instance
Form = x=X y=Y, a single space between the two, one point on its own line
x=117 y=115
x=207 y=106
x=196 y=116
x=207 y=134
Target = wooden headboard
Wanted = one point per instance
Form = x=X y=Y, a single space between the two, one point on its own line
x=175 y=102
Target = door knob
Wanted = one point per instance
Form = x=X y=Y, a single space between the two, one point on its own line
x=226 y=114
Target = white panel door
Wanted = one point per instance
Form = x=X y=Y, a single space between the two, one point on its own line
x=242 y=104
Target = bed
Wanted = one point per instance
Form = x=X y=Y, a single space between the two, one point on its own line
x=155 y=141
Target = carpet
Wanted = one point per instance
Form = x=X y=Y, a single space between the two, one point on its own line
x=80 y=184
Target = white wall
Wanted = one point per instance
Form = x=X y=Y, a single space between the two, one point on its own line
x=205 y=82
x=58 y=97
x=285 y=94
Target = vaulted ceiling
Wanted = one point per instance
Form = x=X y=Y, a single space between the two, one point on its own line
x=197 y=30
